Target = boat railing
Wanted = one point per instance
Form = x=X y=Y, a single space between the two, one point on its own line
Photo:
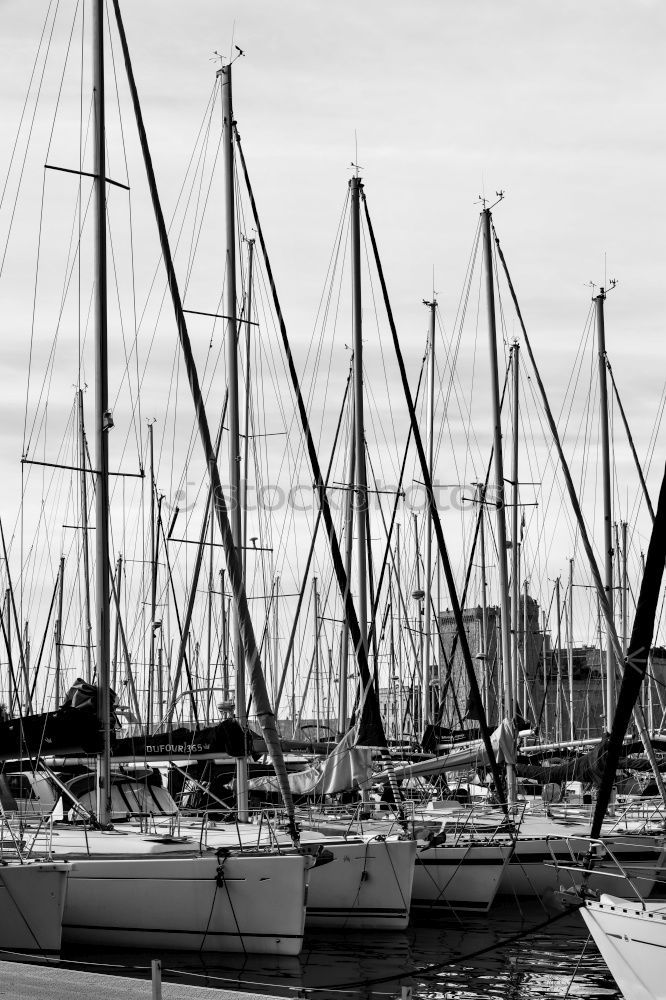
x=267 y=822
x=644 y=811
x=19 y=841
x=480 y=820
x=586 y=864
x=158 y=824
x=12 y=844
x=269 y=819
x=640 y=813
x=39 y=840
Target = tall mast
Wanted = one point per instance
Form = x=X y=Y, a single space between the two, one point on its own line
x=418 y=597
x=224 y=643
x=103 y=421
x=625 y=587
x=499 y=491
x=526 y=647
x=246 y=440
x=360 y=485
x=276 y=637
x=392 y=708
x=400 y=670
x=426 y=700
x=606 y=491
x=515 y=544
x=315 y=614
x=570 y=645
x=116 y=630
x=349 y=545
x=544 y=658
x=224 y=75
x=12 y=689
x=483 y=651
x=84 y=541
x=153 y=584
x=209 y=620
x=558 y=696
x=58 y=634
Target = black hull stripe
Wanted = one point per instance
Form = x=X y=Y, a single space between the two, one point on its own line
x=454 y=904
x=164 y=930
x=317 y=911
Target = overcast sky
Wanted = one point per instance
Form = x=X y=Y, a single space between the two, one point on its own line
x=560 y=105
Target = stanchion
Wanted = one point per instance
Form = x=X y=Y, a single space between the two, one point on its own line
x=156 y=967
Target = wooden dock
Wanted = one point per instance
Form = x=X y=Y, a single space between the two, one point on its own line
x=21 y=981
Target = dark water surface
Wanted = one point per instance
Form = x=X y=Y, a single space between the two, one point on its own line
x=553 y=961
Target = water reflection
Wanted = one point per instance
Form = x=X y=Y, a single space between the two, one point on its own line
x=556 y=961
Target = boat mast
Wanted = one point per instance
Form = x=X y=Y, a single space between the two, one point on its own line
x=153 y=584
x=209 y=619
x=84 y=541
x=606 y=492
x=349 y=545
x=570 y=645
x=103 y=422
x=515 y=544
x=544 y=659
x=392 y=708
x=12 y=688
x=426 y=699
x=418 y=597
x=625 y=587
x=526 y=646
x=559 y=733
x=246 y=415
x=276 y=637
x=58 y=632
x=499 y=492
x=315 y=622
x=360 y=484
x=224 y=76
x=116 y=628
x=246 y=440
x=483 y=650
x=401 y=689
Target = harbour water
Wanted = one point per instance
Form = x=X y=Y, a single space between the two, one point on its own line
x=507 y=954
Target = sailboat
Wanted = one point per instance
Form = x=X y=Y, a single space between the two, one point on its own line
x=122 y=888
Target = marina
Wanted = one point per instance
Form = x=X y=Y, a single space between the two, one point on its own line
x=332 y=655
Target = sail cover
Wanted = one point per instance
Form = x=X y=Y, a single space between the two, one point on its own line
x=347 y=766
x=473 y=755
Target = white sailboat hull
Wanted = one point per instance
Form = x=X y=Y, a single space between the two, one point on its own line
x=367 y=885
x=631 y=937
x=459 y=877
x=255 y=903
x=32 y=899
